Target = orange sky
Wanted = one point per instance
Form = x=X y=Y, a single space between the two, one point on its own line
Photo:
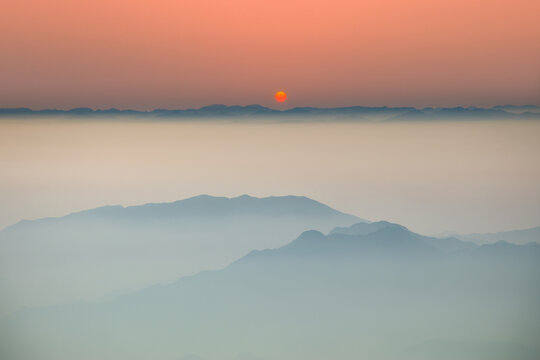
x=189 y=53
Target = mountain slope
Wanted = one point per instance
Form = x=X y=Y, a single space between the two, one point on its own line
x=98 y=253
x=382 y=295
x=385 y=229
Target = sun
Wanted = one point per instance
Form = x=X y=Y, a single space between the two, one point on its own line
x=281 y=96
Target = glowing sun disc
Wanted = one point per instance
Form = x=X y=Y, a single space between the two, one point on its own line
x=281 y=96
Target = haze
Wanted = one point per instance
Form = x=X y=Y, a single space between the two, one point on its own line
x=472 y=176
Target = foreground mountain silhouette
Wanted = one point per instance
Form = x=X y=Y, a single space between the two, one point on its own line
x=98 y=253
x=375 y=291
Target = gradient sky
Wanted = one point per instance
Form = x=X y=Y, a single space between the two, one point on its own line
x=190 y=53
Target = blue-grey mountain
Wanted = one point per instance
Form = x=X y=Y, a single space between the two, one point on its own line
x=523 y=236
x=103 y=252
x=375 y=291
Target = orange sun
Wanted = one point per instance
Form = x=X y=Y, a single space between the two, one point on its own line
x=281 y=96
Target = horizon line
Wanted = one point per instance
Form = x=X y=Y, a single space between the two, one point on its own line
x=220 y=105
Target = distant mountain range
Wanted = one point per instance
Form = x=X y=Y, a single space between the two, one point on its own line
x=110 y=250
x=257 y=111
x=514 y=236
x=372 y=290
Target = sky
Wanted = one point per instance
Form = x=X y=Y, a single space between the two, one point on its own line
x=144 y=54
x=464 y=176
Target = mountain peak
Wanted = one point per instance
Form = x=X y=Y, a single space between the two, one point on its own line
x=363 y=228
x=244 y=196
x=310 y=234
x=210 y=206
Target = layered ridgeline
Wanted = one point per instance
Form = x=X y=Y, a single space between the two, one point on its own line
x=254 y=112
x=371 y=291
x=101 y=253
x=515 y=236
